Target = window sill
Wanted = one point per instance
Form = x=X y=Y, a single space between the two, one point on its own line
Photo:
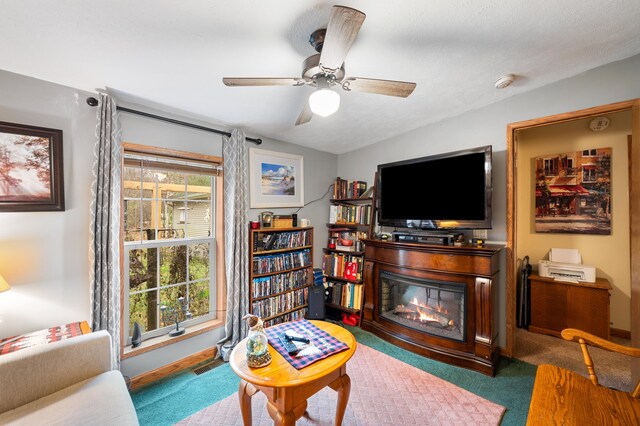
x=165 y=340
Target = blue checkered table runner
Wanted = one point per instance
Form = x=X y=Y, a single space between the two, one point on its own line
x=326 y=343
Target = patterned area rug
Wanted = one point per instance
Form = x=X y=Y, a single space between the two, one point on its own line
x=384 y=391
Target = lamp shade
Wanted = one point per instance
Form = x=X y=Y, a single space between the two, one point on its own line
x=4 y=285
x=324 y=102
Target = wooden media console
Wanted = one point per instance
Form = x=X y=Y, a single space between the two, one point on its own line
x=462 y=333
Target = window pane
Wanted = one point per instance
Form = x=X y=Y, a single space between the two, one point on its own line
x=199 y=219
x=143 y=272
x=143 y=309
x=149 y=186
x=132 y=220
x=148 y=224
x=170 y=227
x=173 y=265
x=131 y=182
x=173 y=309
x=199 y=187
x=199 y=299
x=173 y=186
x=180 y=216
x=198 y=261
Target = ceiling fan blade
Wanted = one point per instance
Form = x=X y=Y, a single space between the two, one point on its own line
x=305 y=115
x=263 y=81
x=342 y=30
x=401 y=89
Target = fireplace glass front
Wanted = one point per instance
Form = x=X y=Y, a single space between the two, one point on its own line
x=429 y=306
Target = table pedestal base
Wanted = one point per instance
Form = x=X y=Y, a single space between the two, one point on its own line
x=287 y=404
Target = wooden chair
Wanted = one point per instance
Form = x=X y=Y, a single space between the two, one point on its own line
x=563 y=397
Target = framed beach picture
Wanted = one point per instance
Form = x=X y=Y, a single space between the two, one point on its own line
x=30 y=168
x=275 y=179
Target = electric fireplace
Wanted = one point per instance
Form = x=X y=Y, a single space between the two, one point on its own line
x=437 y=301
x=429 y=306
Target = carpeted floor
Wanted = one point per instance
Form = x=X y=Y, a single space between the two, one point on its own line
x=384 y=392
x=613 y=369
x=176 y=397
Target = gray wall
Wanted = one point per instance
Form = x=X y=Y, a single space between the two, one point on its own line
x=618 y=81
x=43 y=255
x=320 y=170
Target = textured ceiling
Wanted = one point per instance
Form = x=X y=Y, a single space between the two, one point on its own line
x=172 y=55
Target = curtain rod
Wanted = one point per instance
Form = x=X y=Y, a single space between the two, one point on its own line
x=93 y=102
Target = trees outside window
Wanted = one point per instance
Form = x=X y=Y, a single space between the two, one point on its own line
x=169 y=240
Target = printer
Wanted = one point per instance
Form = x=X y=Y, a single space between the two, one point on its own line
x=566 y=265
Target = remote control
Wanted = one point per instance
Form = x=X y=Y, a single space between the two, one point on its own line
x=297 y=339
x=289 y=346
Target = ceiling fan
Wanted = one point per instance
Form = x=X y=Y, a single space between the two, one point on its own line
x=326 y=69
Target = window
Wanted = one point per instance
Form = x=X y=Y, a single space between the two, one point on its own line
x=588 y=174
x=169 y=218
x=550 y=166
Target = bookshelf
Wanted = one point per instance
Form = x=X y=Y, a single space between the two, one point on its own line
x=350 y=222
x=280 y=273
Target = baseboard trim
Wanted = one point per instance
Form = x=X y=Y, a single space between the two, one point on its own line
x=181 y=364
x=623 y=334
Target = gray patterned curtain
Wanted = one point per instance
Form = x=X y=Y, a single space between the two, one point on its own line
x=104 y=254
x=236 y=239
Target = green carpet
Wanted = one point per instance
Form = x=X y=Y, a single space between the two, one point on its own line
x=178 y=396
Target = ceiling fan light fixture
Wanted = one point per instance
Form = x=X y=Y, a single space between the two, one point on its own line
x=324 y=102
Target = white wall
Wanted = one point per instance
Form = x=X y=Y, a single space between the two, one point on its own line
x=614 y=82
x=43 y=255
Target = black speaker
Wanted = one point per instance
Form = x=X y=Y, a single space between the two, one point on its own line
x=295 y=220
x=316 y=303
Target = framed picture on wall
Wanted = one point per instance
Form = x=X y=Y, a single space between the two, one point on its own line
x=31 y=177
x=573 y=192
x=276 y=179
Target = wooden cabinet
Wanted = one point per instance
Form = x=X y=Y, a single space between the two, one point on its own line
x=280 y=273
x=556 y=305
x=350 y=222
x=474 y=268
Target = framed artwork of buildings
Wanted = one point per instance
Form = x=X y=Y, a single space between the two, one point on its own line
x=573 y=192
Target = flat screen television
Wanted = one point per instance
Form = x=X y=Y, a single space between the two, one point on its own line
x=445 y=191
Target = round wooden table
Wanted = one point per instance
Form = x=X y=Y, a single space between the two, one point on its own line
x=288 y=389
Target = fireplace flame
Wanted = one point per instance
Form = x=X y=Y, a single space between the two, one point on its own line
x=424 y=316
x=426 y=313
x=438 y=308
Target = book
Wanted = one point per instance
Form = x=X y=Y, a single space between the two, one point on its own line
x=268 y=245
x=357 y=300
x=352 y=292
x=333 y=214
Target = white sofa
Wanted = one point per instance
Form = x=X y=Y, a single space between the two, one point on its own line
x=69 y=382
